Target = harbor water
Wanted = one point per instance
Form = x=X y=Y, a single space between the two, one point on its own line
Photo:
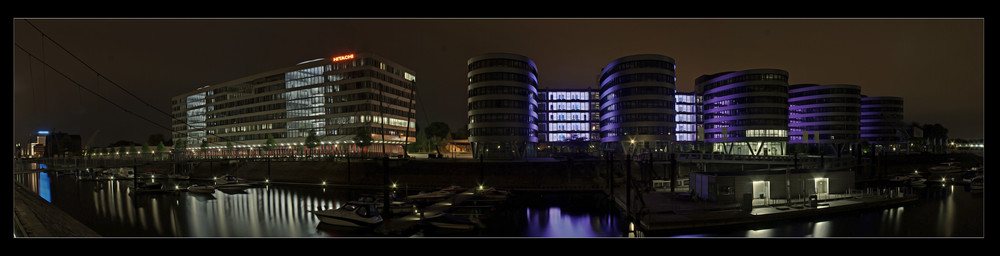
x=944 y=210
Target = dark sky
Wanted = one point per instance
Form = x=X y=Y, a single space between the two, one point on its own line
x=936 y=65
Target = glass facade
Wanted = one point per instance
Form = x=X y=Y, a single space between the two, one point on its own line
x=502 y=106
x=746 y=112
x=824 y=113
x=333 y=98
x=638 y=104
x=882 y=120
x=568 y=115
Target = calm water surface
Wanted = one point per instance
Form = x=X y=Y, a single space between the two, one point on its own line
x=284 y=211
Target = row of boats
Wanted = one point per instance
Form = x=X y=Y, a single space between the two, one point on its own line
x=945 y=172
x=145 y=183
x=120 y=173
x=447 y=208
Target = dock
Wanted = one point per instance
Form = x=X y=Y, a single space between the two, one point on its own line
x=665 y=213
x=402 y=225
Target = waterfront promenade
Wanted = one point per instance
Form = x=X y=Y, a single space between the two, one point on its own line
x=35 y=217
x=661 y=212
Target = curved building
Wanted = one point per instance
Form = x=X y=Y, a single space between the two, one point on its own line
x=502 y=119
x=881 y=120
x=637 y=103
x=745 y=112
x=824 y=114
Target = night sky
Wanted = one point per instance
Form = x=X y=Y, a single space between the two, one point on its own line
x=936 y=65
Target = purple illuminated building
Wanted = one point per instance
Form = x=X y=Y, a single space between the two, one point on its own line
x=745 y=112
x=502 y=106
x=882 y=122
x=568 y=119
x=825 y=115
x=637 y=104
x=688 y=121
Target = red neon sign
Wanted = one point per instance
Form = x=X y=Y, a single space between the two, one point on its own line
x=343 y=57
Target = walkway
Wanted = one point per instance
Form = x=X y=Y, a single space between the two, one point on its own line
x=35 y=217
x=664 y=213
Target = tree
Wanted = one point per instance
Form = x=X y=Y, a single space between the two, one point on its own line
x=437 y=131
x=181 y=144
x=311 y=140
x=269 y=144
x=364 y=138
x=204 y=146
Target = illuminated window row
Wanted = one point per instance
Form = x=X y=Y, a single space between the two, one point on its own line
x=568 y=116
x=568 y=106
x=569 y=126
x=766 y=133
x=584 y=96
x=553 y=137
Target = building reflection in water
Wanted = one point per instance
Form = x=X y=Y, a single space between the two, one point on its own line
x=553 y=222
x=257 y=212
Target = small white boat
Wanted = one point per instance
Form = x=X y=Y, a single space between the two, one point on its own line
x=352 y=214
x=230 y=183
x=945 y=168
x=977 y=183
x=446 y=220
x=178 y=177
x=915 y=179
x=900 y=178
x=201 y=188
x=397 y=207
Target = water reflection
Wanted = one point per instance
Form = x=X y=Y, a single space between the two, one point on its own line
x=553 y=222
x=284 y=211
x=113 y=209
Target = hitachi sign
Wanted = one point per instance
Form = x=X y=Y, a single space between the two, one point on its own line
x=343 y=57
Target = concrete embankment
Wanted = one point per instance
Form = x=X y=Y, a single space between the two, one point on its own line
x=35 y=217
x=664 y=214
x=424 y=173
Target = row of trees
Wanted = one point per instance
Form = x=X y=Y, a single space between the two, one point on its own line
x=435 y=138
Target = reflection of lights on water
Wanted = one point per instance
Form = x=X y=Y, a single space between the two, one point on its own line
x=822 y=229
x=759 y=233
x=553 y=222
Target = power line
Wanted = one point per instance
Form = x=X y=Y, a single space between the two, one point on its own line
x=99 y=75
x=109 y=100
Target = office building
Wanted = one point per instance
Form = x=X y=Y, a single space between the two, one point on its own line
x=568 y=119
x=503 y=122
x=637 y=104
x=745 y=112
x=882 y=122
x=824 y=115
x=357 y=96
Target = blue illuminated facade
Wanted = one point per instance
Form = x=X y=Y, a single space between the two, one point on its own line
x=746 y=112
x=568 y=115
x=637 y=104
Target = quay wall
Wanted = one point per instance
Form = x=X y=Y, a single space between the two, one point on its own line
x=429 y=173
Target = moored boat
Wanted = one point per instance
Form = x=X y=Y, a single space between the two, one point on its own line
x=945 y=168
x=976 y=184
x=352 y=214
x=397 y=207
x=198 y=188
x=446 y=220
x=230 y=183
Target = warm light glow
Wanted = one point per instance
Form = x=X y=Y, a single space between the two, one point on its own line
x=343 y=57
